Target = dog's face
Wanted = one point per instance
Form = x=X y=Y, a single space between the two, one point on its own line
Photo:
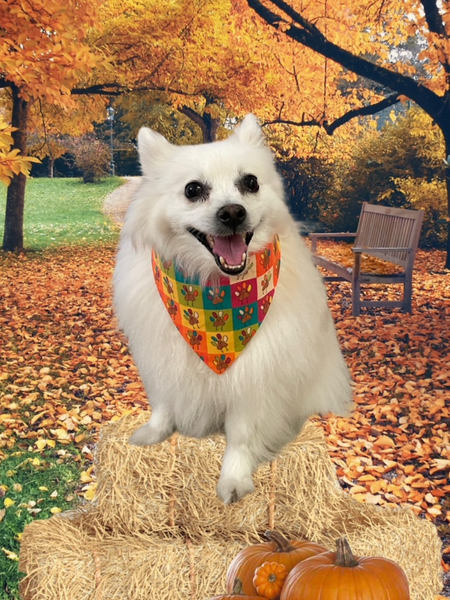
x=205 y=205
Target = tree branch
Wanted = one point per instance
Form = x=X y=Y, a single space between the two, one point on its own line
x=102 y=89
x=116 y=89
x=436 y=25
x=330 y=128
x=371 y=109
x=193 y=116
x=302 y=123
x=433 y=17
x=308 y=34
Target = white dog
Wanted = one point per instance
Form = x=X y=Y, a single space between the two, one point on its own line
x=212 y=211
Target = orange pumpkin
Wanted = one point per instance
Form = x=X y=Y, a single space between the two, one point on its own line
x=277 y=549
x=342 y=576
x=269 y=579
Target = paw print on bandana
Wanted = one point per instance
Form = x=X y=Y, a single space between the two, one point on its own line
x=172 y=308
x=220 y=341
x=221 y=362
x=216 y=295
x=247 y=335
x=194 y=338
x=246 y=314
x=168 y=285
x=243 y=291
x=276 y=245
x=266 y=281
x=157 y=275
x=267 y=301
x=166 y=264
x=190 y=295
x=192 y=317
x=246 y=272
x=264 y=258
x=218 y=319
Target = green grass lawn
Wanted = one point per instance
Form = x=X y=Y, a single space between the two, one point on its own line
x=32 y=486
x=62 y=211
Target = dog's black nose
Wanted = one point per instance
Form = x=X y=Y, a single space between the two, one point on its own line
x=232 y=215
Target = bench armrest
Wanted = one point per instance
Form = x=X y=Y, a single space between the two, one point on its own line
x=380 y=249
x=324 y=235
x=315 y=236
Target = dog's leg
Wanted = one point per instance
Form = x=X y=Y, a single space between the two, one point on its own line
x=159 y=428
x=239 y=462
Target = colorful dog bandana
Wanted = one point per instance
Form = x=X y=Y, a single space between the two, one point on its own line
x=218 y=321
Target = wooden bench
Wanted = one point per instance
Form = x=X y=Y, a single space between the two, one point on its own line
x=390 y=234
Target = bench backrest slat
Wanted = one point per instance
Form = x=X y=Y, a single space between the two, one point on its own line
x=386 y=227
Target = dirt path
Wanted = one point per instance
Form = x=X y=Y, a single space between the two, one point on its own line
x=116 y=203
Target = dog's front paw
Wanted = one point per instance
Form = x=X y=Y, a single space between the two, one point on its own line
x=232 y=490
x=147 y=435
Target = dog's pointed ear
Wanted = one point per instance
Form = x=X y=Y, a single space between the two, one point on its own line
x=153 y=148
x=249 y=132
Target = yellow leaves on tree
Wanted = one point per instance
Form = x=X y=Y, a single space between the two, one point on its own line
x=11 y=161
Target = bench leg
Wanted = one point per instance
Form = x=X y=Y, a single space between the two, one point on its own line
x=407 y=296
x=356 y=285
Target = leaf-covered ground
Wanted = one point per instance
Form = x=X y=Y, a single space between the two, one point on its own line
x=65 y=370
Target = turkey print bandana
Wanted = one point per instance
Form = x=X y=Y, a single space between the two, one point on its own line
x=218 y=321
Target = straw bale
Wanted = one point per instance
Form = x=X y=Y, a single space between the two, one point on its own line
x=62 y=562
x=161 y=502
x=173 y=485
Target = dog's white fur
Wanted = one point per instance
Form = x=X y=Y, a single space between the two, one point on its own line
x=293 y=367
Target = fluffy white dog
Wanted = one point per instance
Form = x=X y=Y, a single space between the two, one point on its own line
x=210 y=209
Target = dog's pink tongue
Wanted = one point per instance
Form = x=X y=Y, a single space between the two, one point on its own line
x=231 y=247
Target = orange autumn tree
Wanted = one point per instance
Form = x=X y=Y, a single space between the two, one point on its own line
x=212 y=61
x=394 y=50
x=198 y=54
x=42 y=56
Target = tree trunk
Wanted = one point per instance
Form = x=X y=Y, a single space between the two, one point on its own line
x=447 y=181
x=15 y=198
x=51 y=166
x=208 y=125
x=211 y=128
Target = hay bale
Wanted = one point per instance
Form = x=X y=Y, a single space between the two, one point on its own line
x=63 y=561
x=161 y=501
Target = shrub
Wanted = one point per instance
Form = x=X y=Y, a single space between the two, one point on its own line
x=304 y=180
x=431 y=197
x=92 y=157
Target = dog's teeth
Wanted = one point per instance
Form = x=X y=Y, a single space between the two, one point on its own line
x=210 y=240
x=228 y=267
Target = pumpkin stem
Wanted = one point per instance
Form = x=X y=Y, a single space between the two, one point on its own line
x=281 y=542
x=237 y=587
x=344 y=554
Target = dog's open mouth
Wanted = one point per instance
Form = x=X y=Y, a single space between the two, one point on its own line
x=230 y=252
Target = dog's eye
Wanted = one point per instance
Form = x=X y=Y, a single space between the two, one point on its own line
x=250 y=184
x=193 y=190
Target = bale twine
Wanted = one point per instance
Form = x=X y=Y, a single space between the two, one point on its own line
x=157 y=528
